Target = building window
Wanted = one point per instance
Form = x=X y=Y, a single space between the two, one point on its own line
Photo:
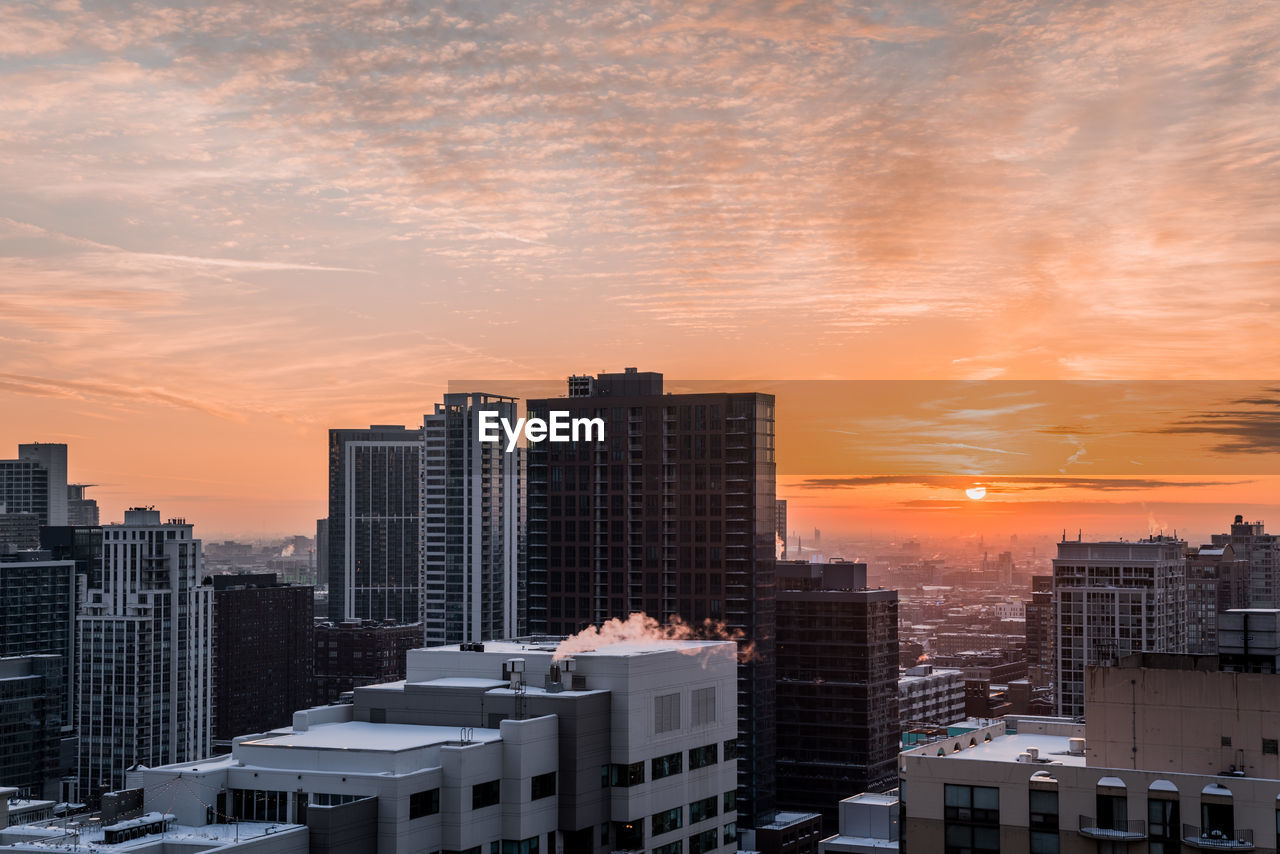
x=666 y=713
x=730 y=749
x=1043 y=810
x=1270 y=746
x=708 y=840
x=626 y=775
x=701 y=757
x=704 y=706
x=731 y=832
x=1163 y=826
x=972 y=816
x=676 y=847
x=520 y=846
x=486 y=794
x=665 y=766
x=702 y=810
x=628 y=836
x=665 y=822
x=1226 y=741
x=424 y=803
x=731 y=801
x=257 y=805
x=544 y=786
x=1113 y=812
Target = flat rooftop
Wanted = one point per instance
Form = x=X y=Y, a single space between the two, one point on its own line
x=361 y=735
x=1007 y=748
x=516 y=648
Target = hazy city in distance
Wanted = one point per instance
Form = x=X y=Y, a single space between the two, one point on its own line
x=640 y=427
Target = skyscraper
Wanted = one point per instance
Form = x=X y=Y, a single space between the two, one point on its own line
x=838 y=727
x=374 y=564
x=81 y=511
x=1217 y=581
x=144 y=642
x=263 y=653
x=672 y=514
x=1041 y=638
x=781 y=523
x=1250 y=541
x=470 y=525
x=31 y=716
x=1113 y=599
x=36 y=482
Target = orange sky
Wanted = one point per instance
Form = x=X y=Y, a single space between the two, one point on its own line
x=226 y=227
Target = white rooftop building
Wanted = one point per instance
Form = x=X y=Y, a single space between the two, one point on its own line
x=497 y=748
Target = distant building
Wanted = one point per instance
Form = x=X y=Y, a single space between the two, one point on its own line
x=1249 y=640
x=375 y=482
x=264 y=651
x=473 y=584
x=787 y=833
x=19 y=530
x=837 y=695
x=509 y=748
x=36 y=482
x=1251 y=542
x=32 y=713
x=1041 y=638
x=144 y=654
x=929 y=695
x=322 y=553
x=81 y=511
x=1217 y=581
x=673 y=515
x=351 y=654
x=1112 y=599
x=781 y=520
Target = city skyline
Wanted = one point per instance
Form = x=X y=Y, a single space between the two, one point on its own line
x=227 y=229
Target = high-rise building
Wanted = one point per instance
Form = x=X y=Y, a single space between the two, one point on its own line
x=375 y=480
x=1250 y=541
x=1217 y=581
x=472 y=584
x=671 y=514
x=1113 y=599
x=36 y=482
x=19 y=530
x=81 y=511
x=837 y=700
x=1041 y=638
x=144 y=653
x=32 y=705
x=37 y=618
x=264 y=648
x=351 y=654
x=322 y=553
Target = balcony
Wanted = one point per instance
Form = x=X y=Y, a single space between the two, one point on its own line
x=1217 y=839
x=1120 y=831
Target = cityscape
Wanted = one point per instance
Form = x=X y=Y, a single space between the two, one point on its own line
x=639 y=427
x=620 y=642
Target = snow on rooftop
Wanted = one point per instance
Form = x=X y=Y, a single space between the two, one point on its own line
x=360 y=735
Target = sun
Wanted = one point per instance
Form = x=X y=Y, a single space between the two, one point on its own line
x=977 y=493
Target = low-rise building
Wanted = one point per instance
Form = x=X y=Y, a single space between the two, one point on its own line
x=930 y=695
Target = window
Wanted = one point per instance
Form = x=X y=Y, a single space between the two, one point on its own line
x=257 y=805
x=700 y=843
x=424 y=803
x=1043 y=842
x=486 y=794
x=665 y=822
x=731 y=749
x=544 y=786
x=628 y=836
x=666 y=713
x=665 y=766
x=1162 y=819
x=704 y=706
x=1113 y=812
x=701 y=757
x=731 y=801
x=731 y=832
x=626 y=775
x=676 y=847
x=1226 y=741
x=1043 y=810
x=520 y=846
x=702 y=810
x=968 y=839
x=1270 y=746
x=979 y=804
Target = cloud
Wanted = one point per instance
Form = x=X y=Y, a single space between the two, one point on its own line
x=1253 y=427
x=1010 y=484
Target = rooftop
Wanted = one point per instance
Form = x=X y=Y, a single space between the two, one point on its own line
x=1053 y=749
x=360 y=735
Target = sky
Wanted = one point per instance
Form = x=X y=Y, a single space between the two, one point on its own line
x=227 y=227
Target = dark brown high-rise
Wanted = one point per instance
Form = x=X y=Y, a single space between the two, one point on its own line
x=673 y=515
x=263 y=653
